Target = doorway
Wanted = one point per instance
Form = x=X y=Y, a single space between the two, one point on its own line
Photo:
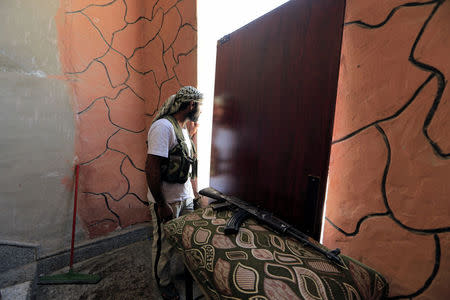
x=214 y=20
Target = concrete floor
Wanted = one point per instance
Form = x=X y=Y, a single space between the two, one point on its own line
x=125 y=272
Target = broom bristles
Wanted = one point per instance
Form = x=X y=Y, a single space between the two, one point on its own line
x=69 y=278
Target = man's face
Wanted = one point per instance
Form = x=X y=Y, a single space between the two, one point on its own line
x=194 y=114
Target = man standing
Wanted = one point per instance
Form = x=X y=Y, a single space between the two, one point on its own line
x=171 y=162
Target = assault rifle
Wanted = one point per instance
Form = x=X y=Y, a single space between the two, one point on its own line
x=245 y=210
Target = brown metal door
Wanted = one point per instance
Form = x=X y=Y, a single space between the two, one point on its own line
x=275 y=91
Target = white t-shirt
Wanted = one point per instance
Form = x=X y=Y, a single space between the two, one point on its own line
x=161 y=138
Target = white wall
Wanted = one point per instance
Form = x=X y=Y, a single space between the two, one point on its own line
x=37 y=130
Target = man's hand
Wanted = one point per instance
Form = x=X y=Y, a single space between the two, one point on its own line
x=165 y=212
x=192 y=128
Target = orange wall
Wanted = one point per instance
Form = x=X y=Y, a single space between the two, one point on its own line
x=122 y=59
x=388 y=197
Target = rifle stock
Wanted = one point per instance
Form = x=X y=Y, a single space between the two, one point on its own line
x=245 y=210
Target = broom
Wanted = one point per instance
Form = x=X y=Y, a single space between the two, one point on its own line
x=71 y=277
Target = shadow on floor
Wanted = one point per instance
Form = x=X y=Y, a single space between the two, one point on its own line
x=126 y=274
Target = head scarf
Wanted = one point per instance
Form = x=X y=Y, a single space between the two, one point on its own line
x=173 y=103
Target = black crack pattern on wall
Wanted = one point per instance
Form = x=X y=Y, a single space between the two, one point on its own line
x=106 y=195
x=434 y=73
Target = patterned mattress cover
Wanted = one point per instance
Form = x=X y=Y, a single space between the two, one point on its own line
x=257 y=263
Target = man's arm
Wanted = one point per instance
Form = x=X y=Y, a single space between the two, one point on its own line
x=153 y=174
x=154 y=181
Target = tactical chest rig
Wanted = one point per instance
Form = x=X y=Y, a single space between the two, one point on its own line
x=175 y=169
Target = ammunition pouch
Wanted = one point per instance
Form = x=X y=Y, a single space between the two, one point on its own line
x=175 y=169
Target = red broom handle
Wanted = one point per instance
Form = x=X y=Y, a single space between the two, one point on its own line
x=77 y=172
